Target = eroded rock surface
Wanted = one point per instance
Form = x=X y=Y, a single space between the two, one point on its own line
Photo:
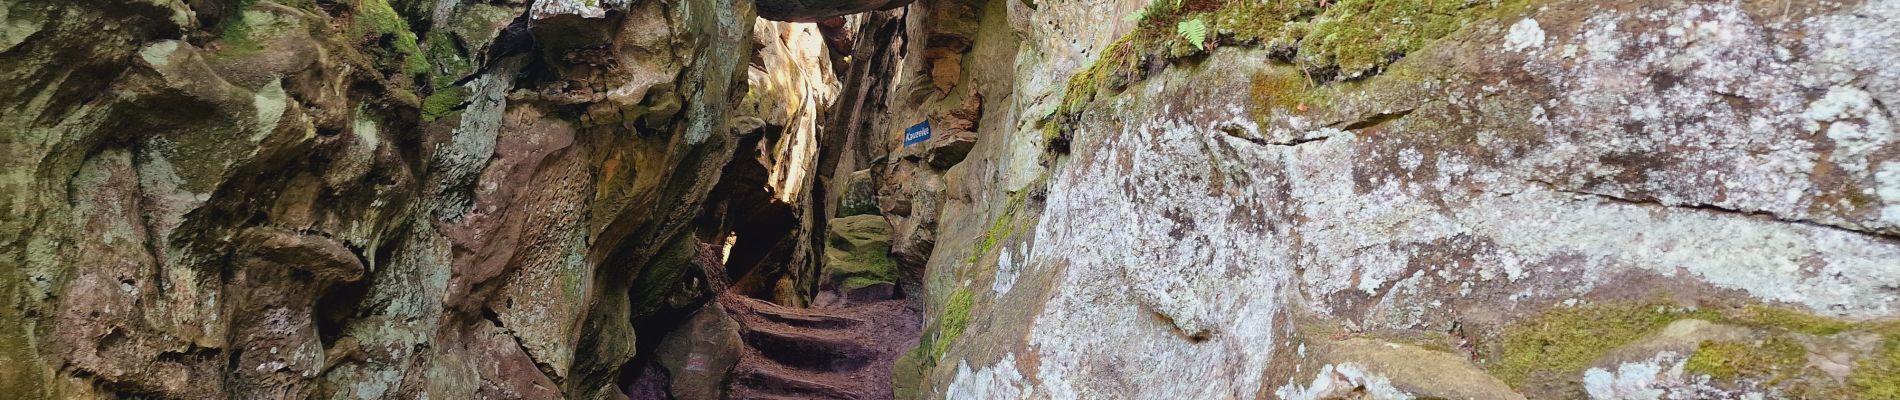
x=1526 y=203
x=355 y=199
x=1486 y=199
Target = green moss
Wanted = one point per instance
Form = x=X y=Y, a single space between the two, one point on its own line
x=1004 y=225
x=1000 y=229
x=858 y=252
x=1258 y=21
x=1781 y=362
x=1119 y=65
x=866 y=267
x=443 y=102
x=951 y=322
x=1559 y=344
x=1777 y=317
x=907 y=376
x=1281 y=87
x=236 y=31
x=1878 y=376
x=1361 y=36
x=376 y=23
x=1326 y=38
x=442 y=52
x=1050 y=131
x=1510 y=8
x=859 y=282
x=1562 y=342
x=1772 y=360
x=1107 y=72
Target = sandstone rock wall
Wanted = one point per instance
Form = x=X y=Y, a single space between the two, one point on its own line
x=1296 y=199
x=353 y=199
x=1518 y=199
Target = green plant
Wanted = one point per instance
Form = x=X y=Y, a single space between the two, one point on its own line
x=1194 y=30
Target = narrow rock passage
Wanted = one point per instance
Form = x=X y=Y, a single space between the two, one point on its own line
x=838 y=352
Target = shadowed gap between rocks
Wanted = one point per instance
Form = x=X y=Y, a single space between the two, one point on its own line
x=769 y=331
x=793 y=304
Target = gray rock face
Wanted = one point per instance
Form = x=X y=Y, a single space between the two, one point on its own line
x=1515 y=206
x=1516 y=199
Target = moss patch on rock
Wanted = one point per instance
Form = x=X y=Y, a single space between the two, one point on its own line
x=237 y=31
x=1783 y=318
x=1281 y=87
x=442 y=53
x=907 y=376
x=387 y=37
x=1773 y=358
x=1782 y=360
x=866 y=267
x=1005 y=225
x=1357 y=38
x=1878 y=376
x=858 y=252
x=1562 y=342
x=443 y=102
x=950 y=323
x=1324 y=40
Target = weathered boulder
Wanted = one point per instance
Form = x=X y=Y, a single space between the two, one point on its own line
x=948 y=150
x=858 y=266
x=860 y=195
x=699 y=354
x=912 y=196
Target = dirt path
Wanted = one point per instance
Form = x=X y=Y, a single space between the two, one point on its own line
x=843 y=352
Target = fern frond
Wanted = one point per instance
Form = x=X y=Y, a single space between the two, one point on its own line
x=1194 y=30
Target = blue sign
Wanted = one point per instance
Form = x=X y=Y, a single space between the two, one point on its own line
x=917 y=133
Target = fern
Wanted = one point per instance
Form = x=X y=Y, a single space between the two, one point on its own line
x=1194 y=30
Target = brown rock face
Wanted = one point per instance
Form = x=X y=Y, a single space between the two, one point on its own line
x=360 y=199
x=1248 y=199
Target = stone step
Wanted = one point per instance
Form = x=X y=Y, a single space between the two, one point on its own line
x=763 y=378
